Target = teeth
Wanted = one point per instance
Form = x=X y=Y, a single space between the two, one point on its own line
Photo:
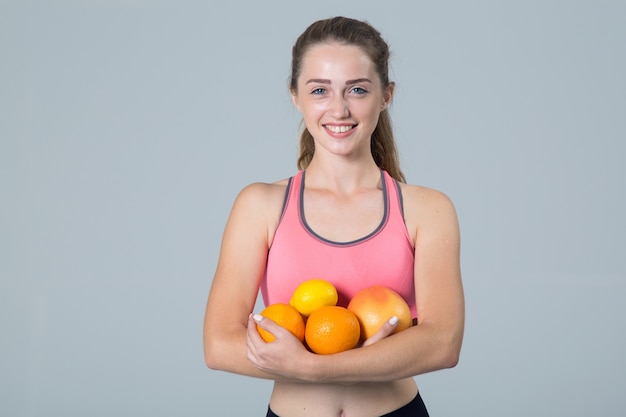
x=338 y=129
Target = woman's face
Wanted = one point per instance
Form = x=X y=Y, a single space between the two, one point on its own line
x=340 y=97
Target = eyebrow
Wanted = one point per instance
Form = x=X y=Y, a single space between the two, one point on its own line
x=348 y=82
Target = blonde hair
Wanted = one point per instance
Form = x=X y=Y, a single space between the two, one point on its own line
x=361 y=34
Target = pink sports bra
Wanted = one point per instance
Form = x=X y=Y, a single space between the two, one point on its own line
x=383 y=257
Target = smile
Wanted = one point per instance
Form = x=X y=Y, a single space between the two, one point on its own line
x=339 y=129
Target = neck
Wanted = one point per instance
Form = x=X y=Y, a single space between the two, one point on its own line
x=342 y=176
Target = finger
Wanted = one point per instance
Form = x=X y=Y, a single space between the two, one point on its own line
x=270 y=326
x=385 y=330
x=253 y=333
x=253 y=341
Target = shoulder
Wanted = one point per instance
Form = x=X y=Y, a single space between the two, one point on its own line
x=424 y=198
x=262 y=192
x=426 y=208
x=260 y=203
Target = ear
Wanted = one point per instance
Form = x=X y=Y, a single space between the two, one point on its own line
x=294 y=99
x=388 y=95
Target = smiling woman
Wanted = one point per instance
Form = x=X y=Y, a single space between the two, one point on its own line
x=355 y=223
x=375 y=53
x=341 y=97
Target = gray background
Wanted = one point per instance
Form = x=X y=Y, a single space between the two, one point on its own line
x=128 y=126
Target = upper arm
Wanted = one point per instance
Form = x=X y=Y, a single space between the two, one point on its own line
x=438 y=287
x=242 y=257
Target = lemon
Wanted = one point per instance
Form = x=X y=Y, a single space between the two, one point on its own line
x=313 y=294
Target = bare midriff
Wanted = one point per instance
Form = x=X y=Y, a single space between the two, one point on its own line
x=367 y=399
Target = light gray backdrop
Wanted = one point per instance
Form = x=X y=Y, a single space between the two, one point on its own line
x=128 y=126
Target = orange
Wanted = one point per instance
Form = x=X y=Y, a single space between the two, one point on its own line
x=313 y=294
x=286 y=316
x=374 y=305
x=332 y=329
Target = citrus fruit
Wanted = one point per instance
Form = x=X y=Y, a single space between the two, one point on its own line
x=332 y=329
x=285 y=316
x=313 y=294
x=374 y=305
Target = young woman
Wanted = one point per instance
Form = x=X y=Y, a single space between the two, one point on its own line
x=347 y=216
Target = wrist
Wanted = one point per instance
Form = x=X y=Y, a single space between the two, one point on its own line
x=312 y=368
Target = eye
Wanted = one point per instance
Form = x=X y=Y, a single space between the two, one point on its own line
x=318 y=91
x=359 y=91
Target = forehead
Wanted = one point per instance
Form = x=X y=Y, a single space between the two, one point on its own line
x=336 y=61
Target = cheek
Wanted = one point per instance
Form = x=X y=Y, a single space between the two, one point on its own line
x=370 y=111
x=313 y=109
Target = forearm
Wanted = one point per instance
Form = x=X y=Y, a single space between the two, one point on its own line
x=415 y=351
x=228 y=353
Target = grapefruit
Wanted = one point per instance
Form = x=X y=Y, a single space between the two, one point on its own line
x=375 y=305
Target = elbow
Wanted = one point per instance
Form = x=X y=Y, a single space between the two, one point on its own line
x=446 y=358
x=449 y=351
x=223 y=350
x=214 y=364
x=211 y=356
x=451 y=359
x=451 y=354
x=211 y=363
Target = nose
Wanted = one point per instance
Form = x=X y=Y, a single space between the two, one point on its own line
x=340 y=107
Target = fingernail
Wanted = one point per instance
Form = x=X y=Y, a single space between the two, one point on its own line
x=393 y=321
x=258 y=317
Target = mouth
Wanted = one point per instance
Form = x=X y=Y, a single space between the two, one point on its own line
x=339 y=129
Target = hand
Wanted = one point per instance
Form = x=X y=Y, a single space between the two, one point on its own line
x=386 y=329
x=284 y=356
